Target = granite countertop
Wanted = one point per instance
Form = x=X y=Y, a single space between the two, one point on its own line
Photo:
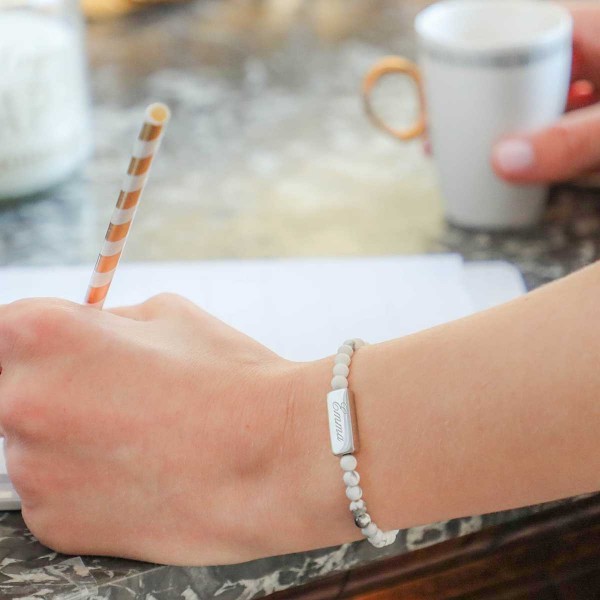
x=268 y=154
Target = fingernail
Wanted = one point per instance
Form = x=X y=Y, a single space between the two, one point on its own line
x=514 y=156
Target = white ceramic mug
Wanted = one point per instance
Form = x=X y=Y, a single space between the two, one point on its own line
x=490 y=67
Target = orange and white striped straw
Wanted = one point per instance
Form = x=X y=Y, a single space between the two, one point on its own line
x=144 y=150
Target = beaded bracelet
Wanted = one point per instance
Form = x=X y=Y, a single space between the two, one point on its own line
x=343 y=433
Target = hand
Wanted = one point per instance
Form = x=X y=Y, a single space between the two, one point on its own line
x=570 y=147
x=156 y=432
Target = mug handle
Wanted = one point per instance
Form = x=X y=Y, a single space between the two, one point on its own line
x=386 y=66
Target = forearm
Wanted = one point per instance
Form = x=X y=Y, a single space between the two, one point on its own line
x=498 y=410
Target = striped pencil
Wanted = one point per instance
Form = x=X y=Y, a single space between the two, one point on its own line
x=144 y=150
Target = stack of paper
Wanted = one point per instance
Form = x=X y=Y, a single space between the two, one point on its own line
x=300 y=308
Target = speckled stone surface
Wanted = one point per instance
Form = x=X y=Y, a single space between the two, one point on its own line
x=268 y=154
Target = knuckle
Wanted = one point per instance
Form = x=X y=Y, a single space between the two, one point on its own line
x=36 y=323
x=9 y=329
x=22 y=473
x=22 y=414
x=166 y=298
x=56 y=529
x=11 y=411
x=46 y=530
x=170 y=301
x=8 y=337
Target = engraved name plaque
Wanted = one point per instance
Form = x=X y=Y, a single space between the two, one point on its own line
x=342 y=422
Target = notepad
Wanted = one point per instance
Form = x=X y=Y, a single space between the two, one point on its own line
x=300 y=308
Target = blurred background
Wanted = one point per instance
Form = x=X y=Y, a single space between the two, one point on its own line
x=268 y=152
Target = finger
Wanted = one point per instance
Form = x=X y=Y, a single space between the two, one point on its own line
x=167 y=305
x=581 y=93
x=562 y=151
x=18 y=318
x=579 y=64
x=586 y=41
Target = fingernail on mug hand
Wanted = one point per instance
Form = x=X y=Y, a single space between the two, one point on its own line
x=514 y=156
x=486 y=70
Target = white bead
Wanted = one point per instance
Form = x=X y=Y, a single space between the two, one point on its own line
x=358 y=343
x=353 y=492
x=341 y=369
x=377 y=536
x=377 y=543
x=343 y=359
x=357 y=505
x=351 y=477
x=369 y=530
x=390 y=536
x=344 y=349
x=339 y=382
x=349 y=343
x=348 y=462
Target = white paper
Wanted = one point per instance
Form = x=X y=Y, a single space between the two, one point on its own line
x=492 y=282
x=301 y=309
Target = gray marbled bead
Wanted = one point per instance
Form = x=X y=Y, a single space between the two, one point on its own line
x=376 y=537
x=351 y=477
x=341 y=369
x=343 y=359
x=344 y=349
x=339 y=382
x=348 y=462
x=353 y=492
x=356 y=504
x=369 y=530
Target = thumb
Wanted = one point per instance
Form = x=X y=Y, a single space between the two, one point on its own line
x=566 y=149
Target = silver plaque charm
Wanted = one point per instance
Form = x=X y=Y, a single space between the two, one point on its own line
x=342 y=422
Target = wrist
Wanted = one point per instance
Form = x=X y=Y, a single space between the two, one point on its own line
x=307 y=496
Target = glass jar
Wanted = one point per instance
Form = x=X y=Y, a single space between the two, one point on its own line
x=45 y=129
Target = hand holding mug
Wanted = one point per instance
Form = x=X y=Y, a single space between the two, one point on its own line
x=488 y=68
x=569 y=146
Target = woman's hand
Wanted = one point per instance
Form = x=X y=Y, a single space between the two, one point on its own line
x=570 y=147
x=157 y=432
